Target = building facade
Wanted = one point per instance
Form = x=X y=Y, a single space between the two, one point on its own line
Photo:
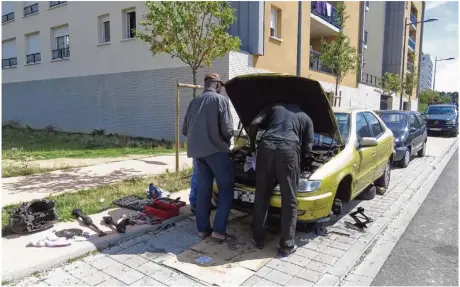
x=426 y=73
x=84 y=73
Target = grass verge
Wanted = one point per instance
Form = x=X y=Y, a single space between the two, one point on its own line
x=27 y=168
x=21 y=142
x=96 y=200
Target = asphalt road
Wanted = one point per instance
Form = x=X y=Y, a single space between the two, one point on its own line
x=427 y=252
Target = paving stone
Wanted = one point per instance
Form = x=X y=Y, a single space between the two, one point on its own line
x=327 y=259
x=95 y=257
x=262 y=272
x=297 y=260
x=26 y=282
x=125 y=274
x=296 y=281
x=104 y=263
x=310 y=275
x=357 y=280
x=340 y=245
x=316 y=246
x=96 y=278
x=146 y=281
x=163 y=274
x=74 y=265
x=120 y=257
x=278 y=277
x=264 y=282
x=328 y=280
x=83 y=271
x=307 y=253
x=135 y=261
x=251 y=280
x=62 y=279
x=333 y=251
x=148 y=267
x=346 y=240
x=39 y=284
x=112 y=282
x=285 y=267
x=182 y=280
x=318 y=266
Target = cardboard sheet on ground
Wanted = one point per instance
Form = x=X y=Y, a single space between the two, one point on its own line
x=228 y=263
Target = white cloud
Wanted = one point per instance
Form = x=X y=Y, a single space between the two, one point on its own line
x=433 y=4
x=447 y=76
x=451 y=27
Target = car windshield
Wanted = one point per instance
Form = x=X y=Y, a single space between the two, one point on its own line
x=394 y=121
x=343 y=123
x=433 y=110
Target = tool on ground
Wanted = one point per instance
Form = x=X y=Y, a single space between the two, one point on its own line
x=120 y=226
x=132 y=202
x=78 y=213
x=154 y=192
x=69 y=233
x=164 y=208
x=33 y=216
x=360 y=224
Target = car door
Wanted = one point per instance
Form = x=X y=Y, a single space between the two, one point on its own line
x=365 y=163
x=415 y=133
x=384 y=144
x=423 y=129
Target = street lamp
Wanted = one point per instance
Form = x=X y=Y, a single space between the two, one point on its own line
x=435 y=61
x=404 y=51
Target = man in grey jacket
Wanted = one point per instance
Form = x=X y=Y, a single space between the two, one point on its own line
x=208 y=126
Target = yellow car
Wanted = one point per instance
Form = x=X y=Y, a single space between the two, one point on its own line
x=353 y=148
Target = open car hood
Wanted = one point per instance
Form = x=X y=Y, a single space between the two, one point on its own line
x=250 y=94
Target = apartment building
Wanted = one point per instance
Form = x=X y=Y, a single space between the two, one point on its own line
x=426 y=73
x=77 y=65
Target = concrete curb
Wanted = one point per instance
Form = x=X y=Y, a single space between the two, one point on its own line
x=377 y=253
x=16 y=275
x=348 y=260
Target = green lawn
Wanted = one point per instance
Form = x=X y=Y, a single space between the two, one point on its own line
x=98 y=199
x=21 y=142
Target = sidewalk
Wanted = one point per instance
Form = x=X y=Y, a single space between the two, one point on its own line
x=26 y=188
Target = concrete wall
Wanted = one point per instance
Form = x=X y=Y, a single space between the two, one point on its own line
x=375 y=26
x=249 y=25
x=394 y=28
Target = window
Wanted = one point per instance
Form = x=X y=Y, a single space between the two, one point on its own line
x=31 y=8
x=8 y=11
x=275 y=23
x=33 y=48
x=367 y=5
x=9 y=58
x=129 y=22
x=413 y=122
x=104 y=29
x=421 y=121
x=61 y=43
x=362 y=128
x=56 y=3
x=374 y=123
x=365 y=40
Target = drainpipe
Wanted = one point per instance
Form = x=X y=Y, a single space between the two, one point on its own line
x=299 y=40
x=362 y=40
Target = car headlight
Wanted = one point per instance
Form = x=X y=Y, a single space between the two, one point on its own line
x=305 y=185
x=451 y=122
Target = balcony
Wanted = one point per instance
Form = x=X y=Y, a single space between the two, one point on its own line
x=61 y=53
x=413 y=20
x=411 y=44
x=410 y=67
x=315 y=63
x=8 y=63
x=324 y=20
x=370 y=80
x=33 y=58
x=32 y=9
x=8 y=17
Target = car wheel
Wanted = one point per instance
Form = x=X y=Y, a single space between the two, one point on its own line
x=367 y=194
x=422 y=151
x=406 y=159
x=384 y=180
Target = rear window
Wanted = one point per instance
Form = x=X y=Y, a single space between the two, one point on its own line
x=394 y=120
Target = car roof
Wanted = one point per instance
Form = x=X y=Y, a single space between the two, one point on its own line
x=442 y=105
x=349 y=110
x=396 y=112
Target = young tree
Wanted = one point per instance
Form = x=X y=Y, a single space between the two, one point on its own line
x=338 y=54
x=429 y=97
x=390 y=83
x=193 y=31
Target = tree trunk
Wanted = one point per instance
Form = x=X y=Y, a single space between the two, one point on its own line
x=194 y=82
x=336 y=88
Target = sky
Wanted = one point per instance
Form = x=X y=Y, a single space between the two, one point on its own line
x=440 y=39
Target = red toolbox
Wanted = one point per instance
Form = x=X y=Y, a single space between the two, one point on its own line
x=164 y=208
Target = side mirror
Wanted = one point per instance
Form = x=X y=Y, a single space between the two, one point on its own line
x=368 y=142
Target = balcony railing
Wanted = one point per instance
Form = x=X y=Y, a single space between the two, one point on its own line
x=56 y=3
x=315 y=63
x=33 y=58
x=410 y=67
x=412 y=44
x=370 y=80
x=61 y=53
x=11 y=62
x=413 y=20
x=8 y=17
x=31 y=9
x=326 y=11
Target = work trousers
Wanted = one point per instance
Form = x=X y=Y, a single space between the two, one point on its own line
x=280 y=161
x=193 y=186
x=220 y=167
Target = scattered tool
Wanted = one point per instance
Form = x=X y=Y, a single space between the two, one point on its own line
x=360 y=224
x=69 y=233
x=120 y=226
x=87 y=221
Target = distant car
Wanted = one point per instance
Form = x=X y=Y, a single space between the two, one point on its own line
x=410 y=134
x=442 y=119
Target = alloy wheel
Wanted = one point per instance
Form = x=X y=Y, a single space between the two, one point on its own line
x=387 y=175
x=407 y=158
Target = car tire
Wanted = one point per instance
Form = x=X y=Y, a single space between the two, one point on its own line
x=367 y=194
x=405 y=160
x=422 y=151
x=384 y=180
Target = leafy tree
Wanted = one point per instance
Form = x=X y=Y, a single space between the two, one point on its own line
x=338 y=54
x=390 y=83
x=193 y=31
x=410 y=83
x=429 y=97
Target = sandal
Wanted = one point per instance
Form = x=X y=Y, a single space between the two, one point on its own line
x=226 y=238
x=203 y=235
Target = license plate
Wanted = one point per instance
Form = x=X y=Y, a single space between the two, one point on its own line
x=244 y=196
x=435 y=129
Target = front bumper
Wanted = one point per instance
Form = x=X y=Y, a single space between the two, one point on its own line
x=400 y=151
x=443 y=129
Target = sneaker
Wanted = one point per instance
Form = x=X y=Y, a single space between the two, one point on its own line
x=285 y=252
x=259 y=245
